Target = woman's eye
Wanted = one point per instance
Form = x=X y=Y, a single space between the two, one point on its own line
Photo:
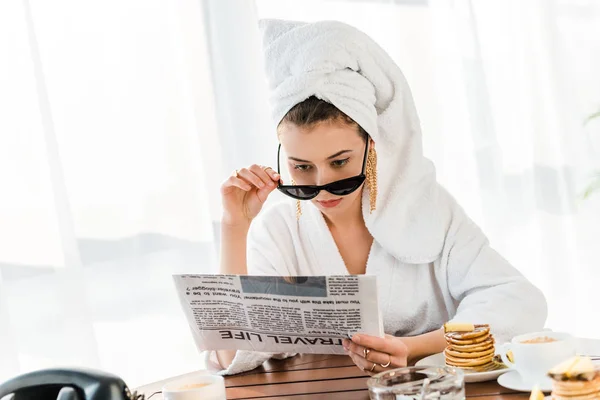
x=339 y=163
x=302 y=167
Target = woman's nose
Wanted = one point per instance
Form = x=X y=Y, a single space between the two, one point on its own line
x=324 y=177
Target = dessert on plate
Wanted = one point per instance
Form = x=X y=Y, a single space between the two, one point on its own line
x=575 y=379
x=470 y=347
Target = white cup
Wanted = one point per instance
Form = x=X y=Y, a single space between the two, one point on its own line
x=206 y=387
x=534 y=360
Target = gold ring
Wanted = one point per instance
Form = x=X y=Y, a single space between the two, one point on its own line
x=236 y=173
x=366 y=353
x=373 y=367
x=388 y=363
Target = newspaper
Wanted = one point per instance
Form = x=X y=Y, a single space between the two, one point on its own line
x=300 y=314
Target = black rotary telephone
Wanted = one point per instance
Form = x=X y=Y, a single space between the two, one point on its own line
x=67 y=384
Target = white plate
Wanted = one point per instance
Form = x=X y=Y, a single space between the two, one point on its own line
x=470 y=376
x=513 y=381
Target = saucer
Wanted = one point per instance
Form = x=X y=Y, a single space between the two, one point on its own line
x=512 y=380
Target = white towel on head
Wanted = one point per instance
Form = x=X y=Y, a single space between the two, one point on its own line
x=343 y=66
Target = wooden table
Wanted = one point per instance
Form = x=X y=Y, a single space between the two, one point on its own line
x=319 y=377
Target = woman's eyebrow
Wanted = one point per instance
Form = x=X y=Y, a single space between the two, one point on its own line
x=298 y=159
x=339 y=153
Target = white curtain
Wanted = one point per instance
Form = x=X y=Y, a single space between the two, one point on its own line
x=119 y=120
x=113 y=142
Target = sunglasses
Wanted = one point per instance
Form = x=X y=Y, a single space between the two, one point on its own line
x=339 y=188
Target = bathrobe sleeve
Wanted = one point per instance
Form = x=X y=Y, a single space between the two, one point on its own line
x=487 y=288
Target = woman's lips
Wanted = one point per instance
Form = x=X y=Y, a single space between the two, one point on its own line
x=329 y=203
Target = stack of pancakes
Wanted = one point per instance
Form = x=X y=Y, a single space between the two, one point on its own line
x=470 y=349
x=575 y=379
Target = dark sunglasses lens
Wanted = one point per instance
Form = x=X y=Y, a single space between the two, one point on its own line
x=299 y=192
x=345 y=187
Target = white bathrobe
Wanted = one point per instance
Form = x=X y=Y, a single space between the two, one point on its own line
x=432 y=262
x=469 y=282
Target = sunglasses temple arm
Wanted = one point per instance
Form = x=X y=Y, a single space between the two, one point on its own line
x=278 y=153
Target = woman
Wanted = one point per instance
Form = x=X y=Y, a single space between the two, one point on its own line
x=369 y=203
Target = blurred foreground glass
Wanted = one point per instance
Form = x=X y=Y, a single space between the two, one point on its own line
x=418 y=383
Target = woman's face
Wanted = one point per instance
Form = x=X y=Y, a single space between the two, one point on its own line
x=323 y=153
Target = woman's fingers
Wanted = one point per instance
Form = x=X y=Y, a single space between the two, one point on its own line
x=265 y=192
x=250 y=177
x=269 y=179
x=272 y=174
x=359 y=361
x=254 y=176
x=373 y=356
x=385 y=345
x=262 y=174
x=369 y=367
x=245 y=191
x=259 y=177
x=389 y=351
x=234 y=181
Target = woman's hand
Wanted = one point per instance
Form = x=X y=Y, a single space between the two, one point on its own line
x=244 y=193
x=374 y=354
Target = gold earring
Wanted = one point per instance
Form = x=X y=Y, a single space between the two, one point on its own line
x=298 y=206
x=371 y=173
